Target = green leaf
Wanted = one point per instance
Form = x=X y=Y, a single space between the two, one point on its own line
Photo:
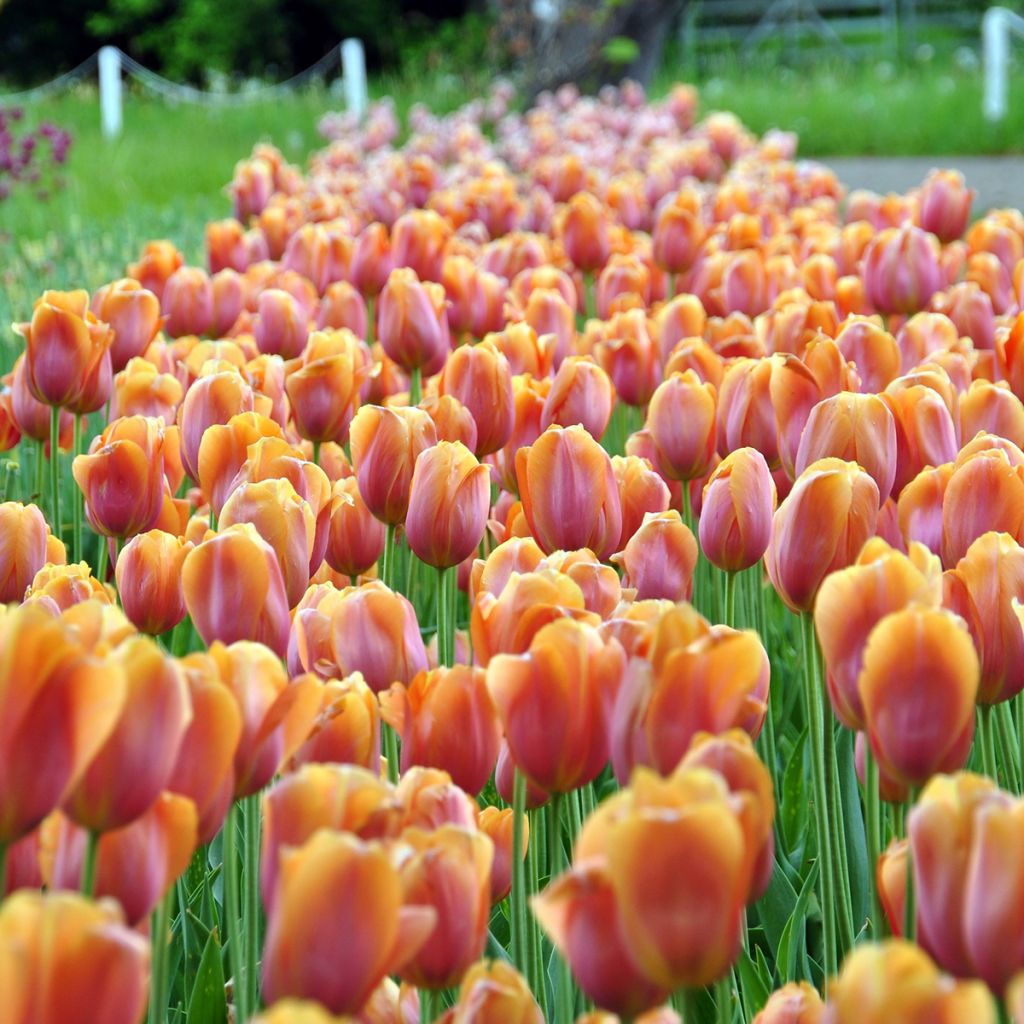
x=861 y=871
x=794 y=936
x=775 y=907
x=755 y=986
x=209 y=1003
x=793 y=803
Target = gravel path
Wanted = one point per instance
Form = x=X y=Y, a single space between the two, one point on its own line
x=999 y=180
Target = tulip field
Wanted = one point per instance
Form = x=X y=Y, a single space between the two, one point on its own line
x=558 y=565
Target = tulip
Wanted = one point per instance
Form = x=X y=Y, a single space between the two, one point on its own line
x=498 y=824
x=281 y=325
x=819 y=528
x=681 y=419
x=795 y=1003
x=446 y=719
x=234 y=589
x=385 y=447
x=412 y=324
x=494 y=992
x=224 y=450
x=660 y=558
x=135 y=864
x=945 y=205
x=641 y=490
x=480 y=378
x=855 y=428
x=206 y=754
x=745 y=414
x=623 y=280
x=449 y=872
x=141 y=390
x=584 y=232
x=581 y=393
x=873 y=350
x=677 y=237
x=54 y=696
x=159 y=260
x=452 y=420
x=628 y=353
x=551 y=314
x=363 y=932
x=343 y=306
x=60 y=587
x=852 y=601
x=925 y=431
x=429 y=799
x=579 y=907
x=187 y=301
x=133 y=313
x=506 y=623
x=918 y=687
x=67 y=959
x=148 y=574
x=355 y=539
x=347 y=727
x=696 y=681
x=992 y=408
x=215 y=398
x=375 y=632
x=64 y=346
x=736 y=512
x=135 y=762
x=418 y=240
x=919 y=509
x=324 y=391
x=555 y=703
x=901 y=270
x=569 y=493
x=985 y=492
x=449 y=499
x=24 y=548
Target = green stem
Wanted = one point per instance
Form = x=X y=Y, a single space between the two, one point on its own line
x=391 y=752
x=427 y=1011
x=723 y=1000
x=730 y=599
x=76 y=499
x=837 y=825
x=445 y=640
x=589 y=297
x=538 y=976
x=985 y=737
x=564 y=998
x=40 y=471
x=415 y=386
x=388 y=565
x=160 y=959
x=183 y=912
x=872 y=802
x=251 y=908
x=1007 y=746
x=232 y=914
x=689 y=1006
x=910 y=901
x=371 y=325
x=55 y=468
x=518 y=895
x=101 y=559
x=1018 y=707
x=92 y=845
x=316 y=452
x=816 y=736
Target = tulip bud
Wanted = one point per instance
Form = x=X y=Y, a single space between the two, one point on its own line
x=133 y=314
x=355 y=539
x=681 y=419
x=641 y=490
x=187 y=301
x=795 y=1003
x=498 y=824
x=347 y=727
x=412 y=323
x=736 y=511
x=901 y=270
x=148 y=574
x=24 y=548
x=159 y=261
x=480 y=378
x=581 y=393
x=323 y=390
x=583 y=232
x=945 y=205
x=660 y=558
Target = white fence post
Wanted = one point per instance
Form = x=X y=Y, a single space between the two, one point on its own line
x=353 y=66
x=110 y=91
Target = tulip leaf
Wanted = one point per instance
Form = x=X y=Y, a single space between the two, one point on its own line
x=756 y=982
x=209 y=1003
x=793 y=805
x=856 y=835
x=775 y=907
x=794 y=935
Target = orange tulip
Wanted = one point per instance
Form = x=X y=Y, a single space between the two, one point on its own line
x=856 y=428
x=569 y=493
x=61 y=586
x=148 y=574
x=628 y=353
x=925 y=431
x=452 y=420
x=355 y=539
x=681 y=419
x=66 y=959
x=385 y=446
x=214 y=398
x=25 y=547
x=430 y=799
x=480 y=378
x=819 y=528
x=745 y=414
x=527 y=351
x=448 y=871
x=347 y=727
x=852 y=601
x=187 y=301
x=159 y=260
x=343 y=306
x=363 y=933
x=498 y=825
x=795 y=1003
x=234 y=589
x=945 y=205
x=555 y=703
x=54 y=696
x=229 y=298
x=324 y=389
x=223 y=452
x=697 y=680
x=677 y=237
x=736 y=511
x=446 y=719
x=641 y=490
x=206 y=754
x=64 y=346
x=582 y=393
x=133 y=313
x=901 y=270
x=281 y=325
x=919 y=509
x=135 y=762
x=135 y=864
x=528 y=396
x=551 y=313
x=918 y=687
x=418 y=240
x=140 y=389
x=660 y=558
x=412 y=322
x=992 y=408
x=895 y=982
x=494 y=992
x=583 y=231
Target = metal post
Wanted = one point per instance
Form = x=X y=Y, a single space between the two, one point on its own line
x=995 y=32
x=110 y=91
x=353 y=65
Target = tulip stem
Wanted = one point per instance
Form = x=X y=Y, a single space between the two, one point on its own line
x=40 y=471
x=988 y=750
x=101 y=559
x=390 y=751
x=518 y=895
x=816 y=736
x=689 y=1005
x=872 y=802
x=909 y=900
x=251 y=907
x=55 y=467
x=387 y=569
x=76 y=498
x=316 y=452
x=564 y=997
x=589 y=299
x=730 y=600
x=415 y=387
x=427 y=1011
x=1004 y=726
x=232 y=916
x=723 y=999
x=182 y=891
x=837 y=824
x=88 y=883
x=445 y=639
x=371 y=322
x=160 y=965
